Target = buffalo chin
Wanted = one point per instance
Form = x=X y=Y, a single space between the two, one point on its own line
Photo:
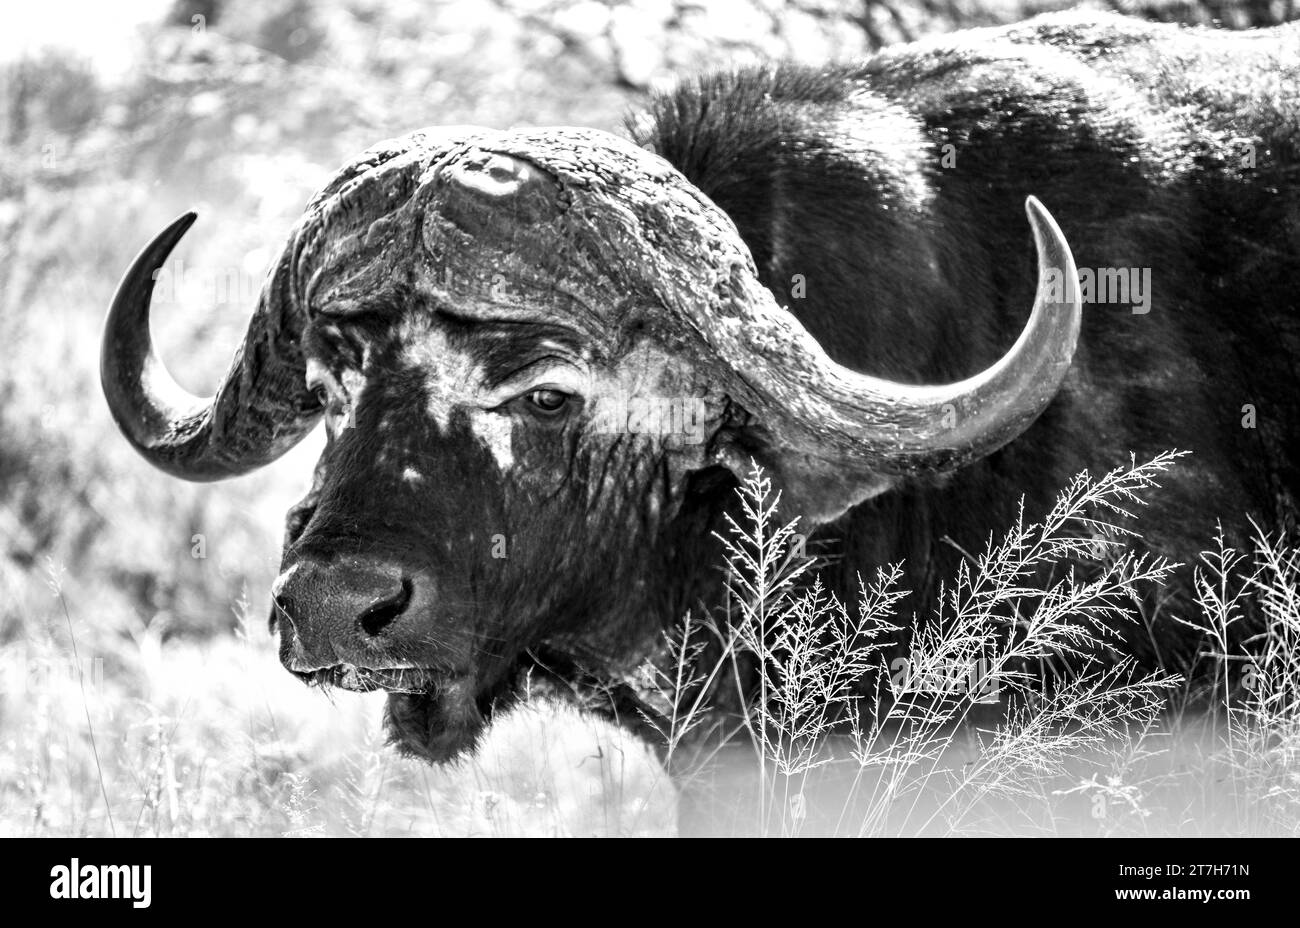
x=436 y=726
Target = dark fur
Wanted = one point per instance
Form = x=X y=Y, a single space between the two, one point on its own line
x=1134 y=135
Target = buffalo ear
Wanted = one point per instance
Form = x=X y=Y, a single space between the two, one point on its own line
x=814 y=489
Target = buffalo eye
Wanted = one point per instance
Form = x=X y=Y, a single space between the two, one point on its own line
x=547 y=402
x=320 y=394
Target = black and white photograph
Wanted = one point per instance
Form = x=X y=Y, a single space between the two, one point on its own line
x=651 y=419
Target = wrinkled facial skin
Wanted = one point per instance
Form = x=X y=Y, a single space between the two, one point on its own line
x=499 y=473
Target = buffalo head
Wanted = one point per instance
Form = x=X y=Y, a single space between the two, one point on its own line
x=535 y=352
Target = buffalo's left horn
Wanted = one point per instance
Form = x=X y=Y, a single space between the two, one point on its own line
x=866 y=424
x=261 y=409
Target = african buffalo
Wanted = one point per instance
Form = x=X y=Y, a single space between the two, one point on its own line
x=543 y=356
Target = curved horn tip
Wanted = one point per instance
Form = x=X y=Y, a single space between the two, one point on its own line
x=152 y=257
x=1042 y=221
x=1054 y=253
x=131 y=298
x=162 y=245
x=176 y=229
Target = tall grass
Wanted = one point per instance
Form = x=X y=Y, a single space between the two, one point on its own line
x=158 y=736
x=1007 y=708
x=1259 y=731
x=1013 y=703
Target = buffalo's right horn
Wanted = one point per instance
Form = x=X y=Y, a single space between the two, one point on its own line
x=261 y=409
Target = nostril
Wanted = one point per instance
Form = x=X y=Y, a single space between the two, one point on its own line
x=380 y=615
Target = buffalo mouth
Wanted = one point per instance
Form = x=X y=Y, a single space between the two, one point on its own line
x=438 y=715
x=367 y=679
x=430 y=715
